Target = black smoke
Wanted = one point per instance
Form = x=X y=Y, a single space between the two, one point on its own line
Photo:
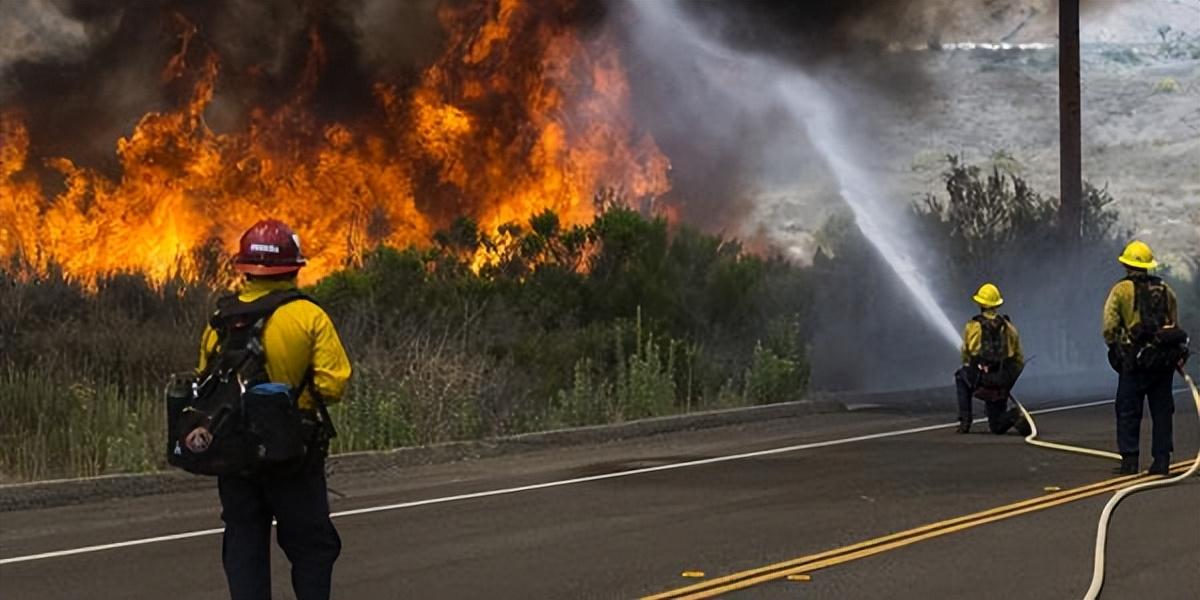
x=99 y=64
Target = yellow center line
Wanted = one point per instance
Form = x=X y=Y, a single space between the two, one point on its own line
x=743 y=579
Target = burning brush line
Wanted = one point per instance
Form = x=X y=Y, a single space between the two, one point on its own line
x=518 y=115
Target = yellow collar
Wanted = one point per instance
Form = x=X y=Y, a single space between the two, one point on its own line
x=254 y=289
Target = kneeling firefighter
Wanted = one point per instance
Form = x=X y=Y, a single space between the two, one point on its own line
x=992 y=362
x=1145 y=346
x=255 y=417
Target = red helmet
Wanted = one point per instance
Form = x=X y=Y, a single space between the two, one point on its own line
x=269 y=248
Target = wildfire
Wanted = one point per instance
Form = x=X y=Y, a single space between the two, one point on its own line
x=517 y=116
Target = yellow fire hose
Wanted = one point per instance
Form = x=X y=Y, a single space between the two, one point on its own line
x=1106 y=515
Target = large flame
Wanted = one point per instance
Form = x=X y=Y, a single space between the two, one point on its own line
x=517 y=116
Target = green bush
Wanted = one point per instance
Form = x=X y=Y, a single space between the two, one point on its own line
x=772 y=378
x=645 y=381
x=1178 y=45
x=589 y=400
x=58 y=423
x=987 y=225
x=642 y=384
x=621 y=319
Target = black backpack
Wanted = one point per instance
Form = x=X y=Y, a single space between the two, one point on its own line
x=255 y=423
x=996 y=370
x=1157 y=343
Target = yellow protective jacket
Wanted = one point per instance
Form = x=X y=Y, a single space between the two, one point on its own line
x=296 y=336
x=973 y=340
x=1120 y=315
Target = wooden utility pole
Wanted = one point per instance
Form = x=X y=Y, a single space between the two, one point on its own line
x=1070 y=211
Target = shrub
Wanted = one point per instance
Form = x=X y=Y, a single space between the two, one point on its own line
x=535 y=325
x=771 y=378
x=1166 y=85
x=1178 y=45
x=589 y=400
x=59 y=423
x=645 y=381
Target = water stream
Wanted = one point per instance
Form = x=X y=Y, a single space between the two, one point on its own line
x=763 y=85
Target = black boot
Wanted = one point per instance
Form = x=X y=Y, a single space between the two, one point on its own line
x=964 y=425
x=1129 y=465
x=1022 y=424
x=1161 y=465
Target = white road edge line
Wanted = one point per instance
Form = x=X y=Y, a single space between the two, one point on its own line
x=536 y=486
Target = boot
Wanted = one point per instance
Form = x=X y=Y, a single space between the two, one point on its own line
x=1022 y=424
x=964 y=425
x=1129 y=465
x=1161 y=465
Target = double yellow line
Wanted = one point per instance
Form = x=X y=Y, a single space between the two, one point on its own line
x=806 y=564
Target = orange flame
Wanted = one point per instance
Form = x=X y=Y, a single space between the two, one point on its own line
x=517 y=116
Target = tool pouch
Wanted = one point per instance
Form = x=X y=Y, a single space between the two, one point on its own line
x=1117 y=358
x=279 y=429
x=1168 y=348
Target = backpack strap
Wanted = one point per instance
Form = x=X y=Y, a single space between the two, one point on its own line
x=261 y=310
x=982 y=319
x=322 y=409
x=239 y=326
x=230 y=308
x=993 y=343
x=1150 y=303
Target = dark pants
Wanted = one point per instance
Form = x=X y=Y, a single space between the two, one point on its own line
x=1133 y=390
x=1000 y=417
x=297 y=501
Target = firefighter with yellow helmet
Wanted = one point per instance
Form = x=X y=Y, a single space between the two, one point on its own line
x=1145 y=346
x=992 y=362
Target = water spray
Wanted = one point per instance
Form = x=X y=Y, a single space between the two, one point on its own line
x=822 y=120
x=815 y=106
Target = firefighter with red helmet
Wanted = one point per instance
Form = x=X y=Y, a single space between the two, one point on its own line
x=301 y=352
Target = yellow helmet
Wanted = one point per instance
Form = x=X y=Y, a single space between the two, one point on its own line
x=988 y=296
x=1138 y=255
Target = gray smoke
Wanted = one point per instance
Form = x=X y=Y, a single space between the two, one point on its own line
x=34 y=30
x=817 y=29
x=735 y=164
x=808 y=119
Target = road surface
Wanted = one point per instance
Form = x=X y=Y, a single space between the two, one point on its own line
x=744 y=497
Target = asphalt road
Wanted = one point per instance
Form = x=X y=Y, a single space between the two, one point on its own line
x=628 y=536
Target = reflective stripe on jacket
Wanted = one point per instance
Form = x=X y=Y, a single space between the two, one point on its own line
x=297 y=335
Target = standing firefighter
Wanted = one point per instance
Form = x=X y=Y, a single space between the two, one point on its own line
x=992 y=362
x=269 y=362
x=1145 y=346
